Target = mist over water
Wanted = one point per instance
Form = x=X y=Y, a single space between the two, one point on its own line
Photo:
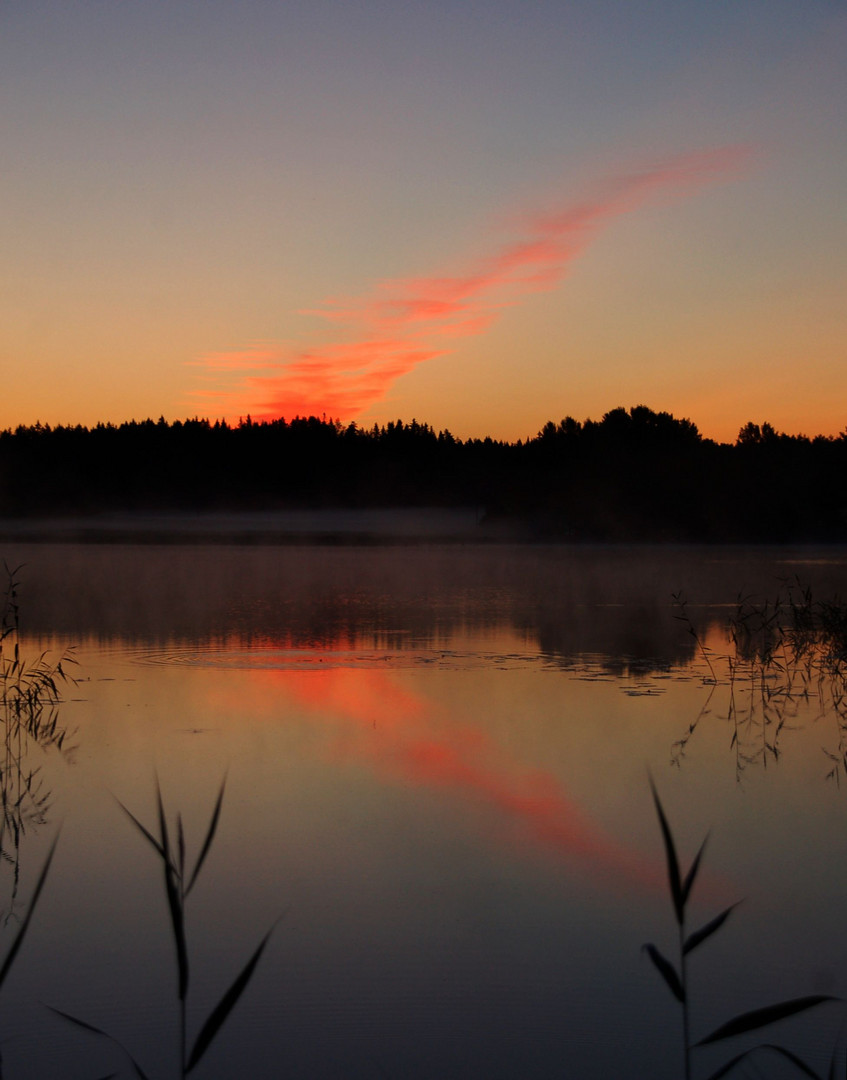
x=581 y=598
x=436 y=760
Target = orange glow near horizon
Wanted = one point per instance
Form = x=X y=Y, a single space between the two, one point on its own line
x=406 y=321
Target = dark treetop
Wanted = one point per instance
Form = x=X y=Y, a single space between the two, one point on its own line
x=634 y=475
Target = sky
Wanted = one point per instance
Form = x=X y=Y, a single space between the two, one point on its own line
x=482 y=215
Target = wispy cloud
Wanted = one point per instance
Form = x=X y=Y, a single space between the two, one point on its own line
x=407 y=321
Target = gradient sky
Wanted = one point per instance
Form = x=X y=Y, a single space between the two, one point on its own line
x=484 y=215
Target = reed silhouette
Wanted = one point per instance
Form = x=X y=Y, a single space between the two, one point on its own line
x=30 y=696
x=179 y=882
x=786 y=653
x=29 y=699
x=676 y=976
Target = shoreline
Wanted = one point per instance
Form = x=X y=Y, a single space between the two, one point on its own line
x=280 y=527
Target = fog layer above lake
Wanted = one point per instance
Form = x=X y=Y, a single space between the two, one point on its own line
x=618 y=600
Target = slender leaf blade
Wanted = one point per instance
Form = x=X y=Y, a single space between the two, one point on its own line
x=178 y=926
x=142 y=1075
x=163 y=826
x=757 y=1018
x=180 y=845
x=19 y=937
x=210 y=835
x=727 y=1068
x=697 y=937
x=688 y=884
x=667 y=971
x=174 y=898
x=144 y=832
x=84 y=1024
x=218 y=1016
x=177 y=922
x=807 y=1070
x=670 y=852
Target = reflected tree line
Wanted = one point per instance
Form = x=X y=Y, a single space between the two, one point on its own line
x=635 y=474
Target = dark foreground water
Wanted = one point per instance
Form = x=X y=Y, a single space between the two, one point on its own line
x=436 y=764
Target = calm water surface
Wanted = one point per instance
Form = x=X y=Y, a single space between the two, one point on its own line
x=437 y=790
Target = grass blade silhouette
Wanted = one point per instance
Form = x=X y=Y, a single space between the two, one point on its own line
x=697 y=937
x=144 y=832
x=667 y=971
x=173 y=892
x=210 y=836
x=674 y=879
x=19 y=937
x=174 y=870
x=225 y=1006
x=804 y=1068
x=690 y=877
x=180 y=840
x=677 y=979
x=770 y=1014
x=140 y=1073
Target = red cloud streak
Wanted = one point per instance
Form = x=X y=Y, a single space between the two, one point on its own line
x=407 y=321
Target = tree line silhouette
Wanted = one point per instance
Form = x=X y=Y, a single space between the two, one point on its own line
x=635 y=474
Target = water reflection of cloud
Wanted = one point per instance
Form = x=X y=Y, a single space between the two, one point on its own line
x=401 y=737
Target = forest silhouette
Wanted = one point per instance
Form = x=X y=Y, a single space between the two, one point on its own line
x=634 y=475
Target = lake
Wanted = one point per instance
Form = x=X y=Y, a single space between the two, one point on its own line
x=437 y=763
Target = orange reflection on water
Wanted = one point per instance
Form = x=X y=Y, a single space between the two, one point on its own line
x=401 y=735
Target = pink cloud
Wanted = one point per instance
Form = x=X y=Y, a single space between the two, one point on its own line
x=393 y=330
